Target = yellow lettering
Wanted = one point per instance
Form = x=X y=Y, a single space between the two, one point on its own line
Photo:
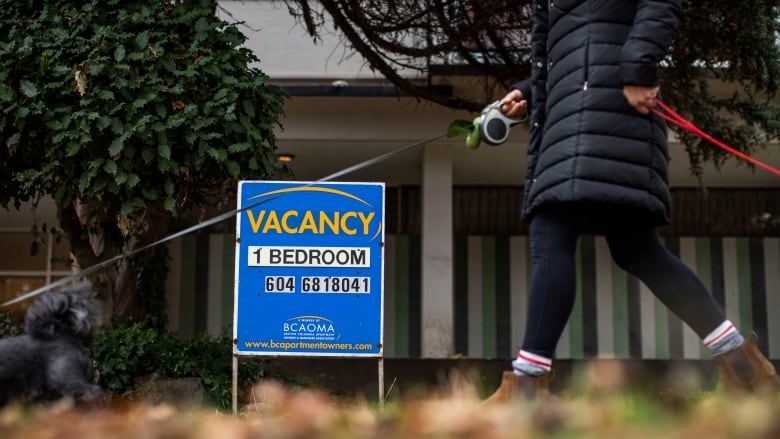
x=344 y=227
x=366 y=220
x=323 y=223
x=272 y=223
x=285 y=218
x=255 y=222
x=308 y=223
x=332 y=223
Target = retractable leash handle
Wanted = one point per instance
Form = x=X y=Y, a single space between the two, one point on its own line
x=491 y=126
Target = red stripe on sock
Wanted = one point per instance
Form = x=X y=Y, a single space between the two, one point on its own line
x=533 y=360
x=721 y=335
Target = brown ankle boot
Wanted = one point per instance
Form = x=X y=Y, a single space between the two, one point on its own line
x=746 y=369
x=520 y=386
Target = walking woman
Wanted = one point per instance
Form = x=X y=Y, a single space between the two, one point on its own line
x=598 y=164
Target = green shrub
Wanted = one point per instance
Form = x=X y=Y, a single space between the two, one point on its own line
x=8 y=328
x=123 y=355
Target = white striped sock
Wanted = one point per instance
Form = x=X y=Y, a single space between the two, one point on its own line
x=528 y=363
x=725 y=328
x=723 y=339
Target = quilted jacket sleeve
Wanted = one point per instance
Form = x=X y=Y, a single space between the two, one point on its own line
x=654 y=28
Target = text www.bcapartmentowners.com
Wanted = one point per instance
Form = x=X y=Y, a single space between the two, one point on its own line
x=318 y=345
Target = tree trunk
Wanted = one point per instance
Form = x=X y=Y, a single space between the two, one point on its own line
x=118 y=283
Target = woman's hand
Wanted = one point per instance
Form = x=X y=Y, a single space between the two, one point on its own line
x=640 y=97
x=514 y=105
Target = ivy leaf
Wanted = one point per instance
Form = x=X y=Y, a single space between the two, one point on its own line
x=217 y=154
x=110 y=167
x=170 y=204
x=239 y=147
x=164 y=150
x=103 y=122
x=221 y=93
x=202 y=26
x=161 y=110
x=233 y=168
x=54 y=125
x=119 y=53
x=249 y=108
x=132 y=179
x=6 y=93
x=116 y=146
x=116 y=126
x=142 y=39
x=13 y=140
x=28 y=88
x=130 y=205
x=169 y=187
x=106 y=94
x=148 y=154
x=72 y=149
x=144 y=97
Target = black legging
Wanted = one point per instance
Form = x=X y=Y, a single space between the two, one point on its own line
x=634 y=246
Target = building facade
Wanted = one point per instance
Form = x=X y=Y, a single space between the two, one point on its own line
x=456 y=257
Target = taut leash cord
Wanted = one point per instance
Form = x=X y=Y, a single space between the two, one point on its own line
x=209 y=222
x=674 y=118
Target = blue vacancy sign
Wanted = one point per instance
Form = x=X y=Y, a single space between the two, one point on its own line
x=309 y=269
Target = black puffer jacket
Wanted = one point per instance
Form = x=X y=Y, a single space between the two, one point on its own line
x=587 y=144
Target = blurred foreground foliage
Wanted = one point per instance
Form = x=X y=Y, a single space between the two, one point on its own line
x=451 y=412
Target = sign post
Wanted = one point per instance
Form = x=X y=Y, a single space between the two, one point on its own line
x=309 y=271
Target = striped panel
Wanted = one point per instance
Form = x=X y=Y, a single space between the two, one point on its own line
x=571 y=345
x=634 y=300
x=587 y=323
x=621 y=313
x=730 y=279
x=520 y=273
x=407 y=297
x=200 y=285
x=691 y=345
x=173 y=285
x=709 y=266
x=220 y=292
x=475 y=303
x=757 y=290
x=460 y=299
x=614 y=316
x=772 y=276
x=490 y=301
x=389 y=299
x=489 y=293
x=228 y=282
x=674 y=324
x=401 y=297
x=186 y=326
x=200 y=296
x=503 y=302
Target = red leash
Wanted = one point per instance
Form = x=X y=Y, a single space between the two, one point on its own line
x=672 y=117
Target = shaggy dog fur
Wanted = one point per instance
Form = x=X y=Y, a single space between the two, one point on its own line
x=51 y=359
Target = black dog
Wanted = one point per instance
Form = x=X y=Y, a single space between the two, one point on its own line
x=51 y=359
